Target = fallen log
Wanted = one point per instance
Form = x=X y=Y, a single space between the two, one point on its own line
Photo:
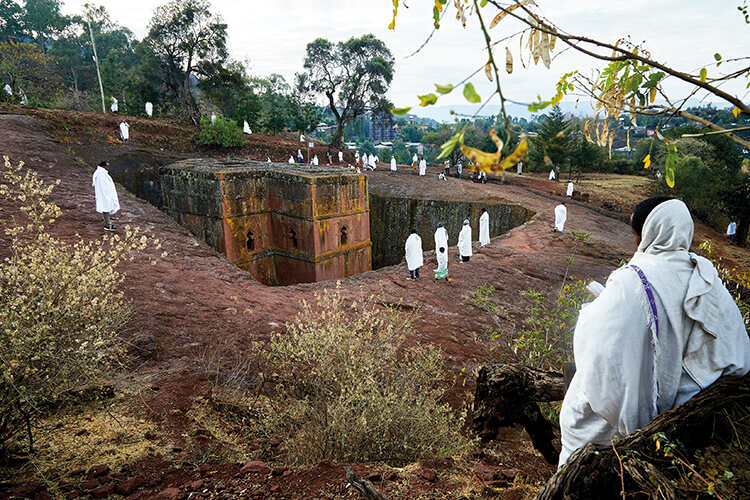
x=697 y=450
x=507 y=394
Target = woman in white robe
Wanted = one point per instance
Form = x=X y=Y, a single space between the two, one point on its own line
x=291 y=160
x=414 y=257
x=570 y=189
x=113 y=107
x=422 y=166
x=124 y=131
x=441 y=272
x=561 y=215
x=246 y=128
x=105 y=193
x=552 y=174
x=663 y=329
x=372 y=162
x=464 y=242
x=150 y=111
x=315 y=160
x=393 y=164
x=341 y=157
x=484 y=228
x=414 y=160
x=441 y=237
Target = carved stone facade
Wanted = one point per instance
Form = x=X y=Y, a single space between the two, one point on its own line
x=282 y=223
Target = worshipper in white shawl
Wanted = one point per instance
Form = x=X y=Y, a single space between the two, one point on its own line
x=341 y=157
x=447 y=166
x=422 y=166
x=150 y=111
x=464 y=242
x=24 y=100
x=441 y=236
x=482 y=177
x=124 y=131
x=300 y=158
x=484 y=228
x=441 y=177
x=246 y=128
x=113 y=107
x=356 y=157
x=519 y=168
x=315 y=160
x=393 y=164
x=269 y=159
x=732 y=231
x=372 y=162
x=552 y=174
x=663 y=329
x=301 y=138
x=105 y=194
x=441 y=254
x=570 y=189
x=414 y=161
x=213 y=117
x=8 y=90
x=561 y=215
x=459 y=168
x=364 y=161
x=291 y=159
x=414 y=257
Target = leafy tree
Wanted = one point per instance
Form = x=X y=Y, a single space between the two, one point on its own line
x=11 y=20
x=412 y=133
x=222 y=132
x=185 y=35
x=351 y=75
x=552 y=142
x=24 y=66
x=42 y=21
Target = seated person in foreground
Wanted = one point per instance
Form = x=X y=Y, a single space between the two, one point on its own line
x=662 y=330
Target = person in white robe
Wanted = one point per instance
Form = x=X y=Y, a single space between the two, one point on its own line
x=552 y=174
x=24 y=100
x=300 y=158
x=732 y=231
x=484 y=228
x=150 y=111
x=663 y=329
x=447 y=167
x=315 y=160
x=393 y=164
x=359 y=171
x=246 y=128
x=570 y=189
x=422 y=166
x=414 y=256
x=441 y=177
x=414 y=160
x=519 y=168
x=291 y=159
x=482 y=177
x=464 y=242
x=105 y=193
x=8 y=90
x=356 y=157
x=341 y=157
x=441 y=236
x=301 y=138
x=213 y=117
x=269 y=159
x=372 y=162
x=441 y=272
x=113 y=107
x=459 y=168
x=124 y=131
x=561 y=215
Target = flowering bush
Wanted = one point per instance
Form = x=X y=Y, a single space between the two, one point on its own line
x=348 y=389
x=61 y=306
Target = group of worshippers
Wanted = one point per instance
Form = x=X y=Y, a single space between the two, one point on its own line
x=414 y=254
x=125 y=126
x=22 y=99
x=663 y=329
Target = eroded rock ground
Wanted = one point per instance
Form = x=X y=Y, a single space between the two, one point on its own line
x=194 y=298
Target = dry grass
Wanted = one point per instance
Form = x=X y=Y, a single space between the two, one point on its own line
x=95 y=434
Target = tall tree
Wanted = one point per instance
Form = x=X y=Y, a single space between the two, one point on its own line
x=43 y=21
x=184 y=33
x=11 y=20
x=551 y=143
x=351 y=75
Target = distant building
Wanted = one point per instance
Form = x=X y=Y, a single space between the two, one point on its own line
x=379 y=126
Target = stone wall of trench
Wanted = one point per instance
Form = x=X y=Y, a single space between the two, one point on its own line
x=392 y=218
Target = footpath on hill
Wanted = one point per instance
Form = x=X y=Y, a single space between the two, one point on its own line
x=194 y=301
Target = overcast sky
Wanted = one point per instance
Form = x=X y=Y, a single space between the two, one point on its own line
x=271 y=36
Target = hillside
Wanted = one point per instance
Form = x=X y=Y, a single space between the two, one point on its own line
x=193 y=309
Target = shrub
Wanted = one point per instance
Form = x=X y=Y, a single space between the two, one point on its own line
x=222 y=132
x=348 y=389
x=61 y=306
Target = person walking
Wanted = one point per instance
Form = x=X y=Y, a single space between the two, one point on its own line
x=414 y=256
x=464 y=242
x=105 y=193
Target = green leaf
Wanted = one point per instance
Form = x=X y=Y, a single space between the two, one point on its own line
x=400 y=111
x=669 y=168
x=444 y=89
x=436 y=17
x=717 y=56
x=483 y=3
x=427 y=99
x=470 y=94
x=704 y=72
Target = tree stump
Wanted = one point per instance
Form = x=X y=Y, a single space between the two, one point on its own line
x=713 y=429
x=508 y=394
